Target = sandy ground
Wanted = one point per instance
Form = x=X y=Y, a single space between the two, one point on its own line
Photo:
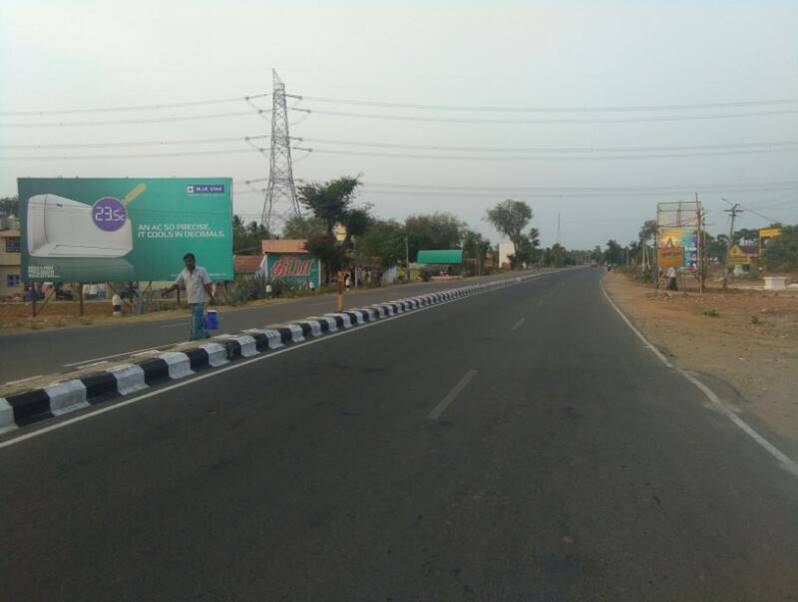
x=746 y=339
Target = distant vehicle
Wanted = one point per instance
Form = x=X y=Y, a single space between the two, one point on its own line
x=594 y=264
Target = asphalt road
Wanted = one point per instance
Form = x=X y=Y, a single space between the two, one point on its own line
x=29 y=354
x=516 y=445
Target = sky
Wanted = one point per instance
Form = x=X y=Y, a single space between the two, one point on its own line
x=579 y=75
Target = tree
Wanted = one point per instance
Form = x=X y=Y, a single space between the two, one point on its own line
x=555 y=256
x=782 y=251
x=302 y=227
x=510 y=218
x=332 y=204
x=614 y=253
x=247 y=237
x=9 y=206
x=384 y=242
x=648 y=231
x=715 y=246
x=475 y=247
x=433 y=231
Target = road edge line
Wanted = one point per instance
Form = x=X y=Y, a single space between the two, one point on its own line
x=784 y=460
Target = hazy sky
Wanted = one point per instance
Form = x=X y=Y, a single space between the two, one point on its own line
x=82 y=54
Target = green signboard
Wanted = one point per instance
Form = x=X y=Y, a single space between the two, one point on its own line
x=112 y=229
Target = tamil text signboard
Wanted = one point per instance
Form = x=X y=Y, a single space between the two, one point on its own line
x=298 y=268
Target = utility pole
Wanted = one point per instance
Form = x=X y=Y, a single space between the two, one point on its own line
x=280 y=201
x=733 y=212
x=407 y=256
x=558 y=227
x=700 y=246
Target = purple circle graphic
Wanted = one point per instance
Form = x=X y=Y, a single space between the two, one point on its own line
x=109 y=214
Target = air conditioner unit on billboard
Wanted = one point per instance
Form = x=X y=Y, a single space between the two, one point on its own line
x=61 y=227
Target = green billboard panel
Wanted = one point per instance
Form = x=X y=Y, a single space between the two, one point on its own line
x=112 y=229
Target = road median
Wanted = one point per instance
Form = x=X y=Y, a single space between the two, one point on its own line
x=44 y=397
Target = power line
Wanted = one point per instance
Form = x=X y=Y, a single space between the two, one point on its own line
x=553 y=149
x=650 y=119
x=665 y=189
x=552 y=158
x=150 y=107
x=133 y=121
x=135 y=155
x=543 y=194
x=134 y=143
x=496 y=109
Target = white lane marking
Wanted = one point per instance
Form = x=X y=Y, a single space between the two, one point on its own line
x=518 y=324
x=107 y=357
x=235 y=366
x=646 y=343
x=22 y=380
x=181 y=325
x=451 y=395
x=786 y=462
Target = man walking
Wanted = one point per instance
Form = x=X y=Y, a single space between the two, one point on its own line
x=195 y=280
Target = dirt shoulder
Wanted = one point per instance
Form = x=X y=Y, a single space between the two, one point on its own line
x=746 y=339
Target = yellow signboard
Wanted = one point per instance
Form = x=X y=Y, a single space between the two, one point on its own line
x=739 y=257
x=769 y=232
x=670 y=257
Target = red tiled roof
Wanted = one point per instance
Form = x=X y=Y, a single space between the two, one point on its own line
x=244 y=264
x=285 y=245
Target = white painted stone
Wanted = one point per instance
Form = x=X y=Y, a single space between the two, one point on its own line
x=6 y=417
x=315 y=327
x=179 y=364
x=129 y=378
x=275 y=338
x=217 y=354
x=66 y=396
x=331 y=323
x=347 y=319
x=297 y=335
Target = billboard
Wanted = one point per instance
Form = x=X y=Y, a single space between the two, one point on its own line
x=685 y=239
x=300 y=268
x=114 y=229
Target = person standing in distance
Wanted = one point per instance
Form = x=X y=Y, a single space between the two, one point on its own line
x=195 y=280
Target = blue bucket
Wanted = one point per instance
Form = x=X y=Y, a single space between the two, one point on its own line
x=212 y=320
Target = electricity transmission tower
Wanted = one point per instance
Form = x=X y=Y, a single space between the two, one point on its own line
x=280 y=203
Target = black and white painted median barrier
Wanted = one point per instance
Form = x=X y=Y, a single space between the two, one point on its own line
x=142 y=371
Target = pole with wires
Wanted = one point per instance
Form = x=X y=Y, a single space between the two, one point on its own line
x=281 y=201
x=733 y=212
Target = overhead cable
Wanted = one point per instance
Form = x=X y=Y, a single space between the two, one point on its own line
x=132 y=121
x=596 y=109
x=150 y=107
x=552 y=149
x=500 y=158
x=784 y=184
x=648 y=119
x=133 y=155
x=134 y=143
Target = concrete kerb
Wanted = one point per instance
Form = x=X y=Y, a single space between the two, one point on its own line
x=104 y=380
x=66 y=396
x=7 y=423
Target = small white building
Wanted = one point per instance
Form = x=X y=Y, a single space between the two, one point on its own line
x=505 y=250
